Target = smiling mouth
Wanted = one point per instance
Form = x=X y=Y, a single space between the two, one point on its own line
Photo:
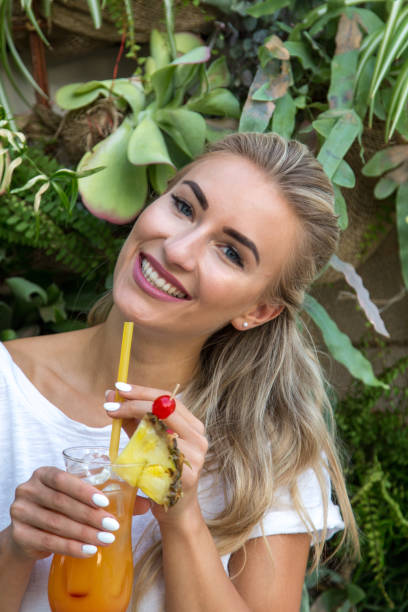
x=152 y=277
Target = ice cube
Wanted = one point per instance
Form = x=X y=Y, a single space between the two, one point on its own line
x=99 y=477
x=113 y=486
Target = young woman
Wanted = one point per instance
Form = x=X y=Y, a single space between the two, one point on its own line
x=213 y=274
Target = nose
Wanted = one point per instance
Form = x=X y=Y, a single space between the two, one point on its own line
x=184 y=250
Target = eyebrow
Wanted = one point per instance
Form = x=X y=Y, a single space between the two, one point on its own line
x=198 y=193
x=243 y=240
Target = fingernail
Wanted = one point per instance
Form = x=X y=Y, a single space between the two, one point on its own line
x=89 y=549
x=100 y=500
x=106 y=538
x=107 y=393
x=111 y=406
x=110 y=523
x=122 y=386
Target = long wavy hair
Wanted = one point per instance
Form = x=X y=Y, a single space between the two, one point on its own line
x=261 y=393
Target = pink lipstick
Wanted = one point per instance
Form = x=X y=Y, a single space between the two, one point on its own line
x=151 y=289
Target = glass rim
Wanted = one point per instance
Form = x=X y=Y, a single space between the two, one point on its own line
x=67 y=454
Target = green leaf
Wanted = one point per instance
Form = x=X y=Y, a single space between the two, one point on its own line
x=159 y=176
x=159 y=49
x=119 y=191
x=95 y=11
x=268 y=7
x=362 y=88
x=402 y=227
x=385 y=160
x=184 y=76
x=340 y=345
x=343 y=69
x=305 y=603
x=382 y=54
x=398 y=102
x=393 y=48
x=220 y=102
x=218 y=74
x=324 y=126
x=186 y=127
x=195 y=56
x=340 y=208
x=146 y=145
x=186 y=41
x=302 y=52
x=61 y=194
x=7 y=334
x=368 y=19
x=338 y=142
x=31 y=15
x=130 y=90
x=216 y=129
x=256 y=115
x=162 y=83
x=384 y=188
x=28 y=292
x=67 y=97
x=344 y=175
x=355 y=594
x=17 y=58
x=283 y=118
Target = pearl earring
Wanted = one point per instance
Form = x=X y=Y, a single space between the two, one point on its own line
x=245 y=324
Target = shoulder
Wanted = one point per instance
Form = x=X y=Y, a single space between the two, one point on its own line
x=305 y=507
x=37 y=354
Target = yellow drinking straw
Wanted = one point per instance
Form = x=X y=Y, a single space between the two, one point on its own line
x=122 y=377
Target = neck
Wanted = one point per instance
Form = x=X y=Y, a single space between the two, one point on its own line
x=157 y=360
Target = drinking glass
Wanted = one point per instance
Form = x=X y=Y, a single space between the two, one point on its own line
x=103 y=582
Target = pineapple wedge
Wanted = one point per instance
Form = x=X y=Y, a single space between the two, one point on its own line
x=158 y=462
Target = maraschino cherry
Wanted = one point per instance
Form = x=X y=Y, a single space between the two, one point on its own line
x=164 y=405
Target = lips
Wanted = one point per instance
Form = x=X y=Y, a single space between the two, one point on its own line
x=155 y=280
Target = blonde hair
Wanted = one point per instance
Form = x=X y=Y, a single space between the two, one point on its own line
x=261 y=393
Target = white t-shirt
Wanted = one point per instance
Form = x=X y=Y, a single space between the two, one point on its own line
x=33 y=433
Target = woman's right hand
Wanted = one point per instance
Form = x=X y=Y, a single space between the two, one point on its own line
x=57 y=512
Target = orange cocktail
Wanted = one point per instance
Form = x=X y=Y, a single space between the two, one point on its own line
x=103 y=582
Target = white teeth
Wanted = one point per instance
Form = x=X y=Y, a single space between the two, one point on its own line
x=157 y=281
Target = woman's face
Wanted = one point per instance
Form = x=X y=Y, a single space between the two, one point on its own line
x=203 y=254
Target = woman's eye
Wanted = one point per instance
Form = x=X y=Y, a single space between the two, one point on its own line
x=182 y=206
x=232 y=254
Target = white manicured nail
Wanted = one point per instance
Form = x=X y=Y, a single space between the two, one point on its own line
x=111 y=406
x=122 y=386
x=110 y=523
x=106 y=538
x=107 y=393
x=100 y=500
x=89 y=549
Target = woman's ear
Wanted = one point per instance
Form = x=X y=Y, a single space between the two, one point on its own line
x=262 y=313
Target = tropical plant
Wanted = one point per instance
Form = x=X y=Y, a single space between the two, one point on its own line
x=67 y=237
x=121 y=11
x=164 y=125
x=373 y=426
x=365 y=71
x=14 y=151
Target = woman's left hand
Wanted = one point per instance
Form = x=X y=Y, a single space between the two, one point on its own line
x=191 y=441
